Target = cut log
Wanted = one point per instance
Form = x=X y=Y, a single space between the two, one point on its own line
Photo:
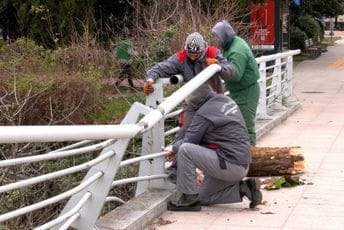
x=276 y=161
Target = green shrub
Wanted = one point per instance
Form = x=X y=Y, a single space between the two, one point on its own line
x=297 y=38
x=309 y=25
x=160 y=48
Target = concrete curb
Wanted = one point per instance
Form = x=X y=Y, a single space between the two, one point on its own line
x=138 y=212
x=143 y=209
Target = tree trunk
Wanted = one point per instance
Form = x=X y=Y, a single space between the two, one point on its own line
x=277 y=161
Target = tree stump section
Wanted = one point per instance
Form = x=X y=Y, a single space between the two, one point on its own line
x=276 y=161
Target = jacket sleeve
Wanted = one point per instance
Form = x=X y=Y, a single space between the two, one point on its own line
x=239 y=62
x=227 y=70
x=194 y=134
x=167 y=68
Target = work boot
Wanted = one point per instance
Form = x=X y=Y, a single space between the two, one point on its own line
x=251 y=189
x=187 y=202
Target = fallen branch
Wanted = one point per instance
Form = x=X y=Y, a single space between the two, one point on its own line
x=276 y=161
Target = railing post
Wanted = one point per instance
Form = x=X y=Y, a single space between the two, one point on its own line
x=287 y=90
x=100 y=190
x=277 y=81
x=152 y=142
x=261 y=109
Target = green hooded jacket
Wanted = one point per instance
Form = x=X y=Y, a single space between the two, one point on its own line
x=237 y=51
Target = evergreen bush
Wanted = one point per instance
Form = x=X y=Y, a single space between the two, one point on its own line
x=309 y=25
x=297 y=38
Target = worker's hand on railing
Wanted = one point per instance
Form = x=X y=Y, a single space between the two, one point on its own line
x=148 y=87
x=210 y=61
x=169 y=150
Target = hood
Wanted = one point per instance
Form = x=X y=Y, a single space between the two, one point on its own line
x=225 y=32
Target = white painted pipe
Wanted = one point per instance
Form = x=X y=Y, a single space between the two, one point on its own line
x=177 y=97
x=19 y=134
x=278 y=55
x=175 y=79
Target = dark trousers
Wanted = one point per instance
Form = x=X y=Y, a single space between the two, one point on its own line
x=125 y=73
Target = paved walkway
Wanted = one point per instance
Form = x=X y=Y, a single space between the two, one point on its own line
x=318 y=127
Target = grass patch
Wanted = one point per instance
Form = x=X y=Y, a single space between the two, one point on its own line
x=114 y=110
x=330 y=41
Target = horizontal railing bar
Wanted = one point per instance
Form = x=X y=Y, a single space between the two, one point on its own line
x=58 y=133
x=51 y=200
x=274 y=86
x=270 y=67
x=171 y=131
x=276 y=56
x=173 y=114
x=69 y=222
x=271 y=96
x=55 y=155
x=68 y=214
x=136 y=179
x=178 y=96
x=78 y=144
x=114 y=198
x=142 y=158
x=56 y=174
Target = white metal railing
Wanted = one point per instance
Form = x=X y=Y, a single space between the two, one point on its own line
x=86 y=200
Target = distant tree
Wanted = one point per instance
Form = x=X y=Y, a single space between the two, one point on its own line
x=8 y=20
x=51 y=22
x=111 y=17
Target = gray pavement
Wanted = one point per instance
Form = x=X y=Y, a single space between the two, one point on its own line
x=318 y=128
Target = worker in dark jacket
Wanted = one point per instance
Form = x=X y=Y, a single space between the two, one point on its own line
x=243 y=86
x=217 y=143
x=190 y=61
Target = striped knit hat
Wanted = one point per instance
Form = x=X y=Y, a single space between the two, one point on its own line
x=195 y=43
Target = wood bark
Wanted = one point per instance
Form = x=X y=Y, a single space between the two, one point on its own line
x=276 y=161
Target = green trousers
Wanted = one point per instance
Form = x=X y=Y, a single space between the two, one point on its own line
x=247 y=100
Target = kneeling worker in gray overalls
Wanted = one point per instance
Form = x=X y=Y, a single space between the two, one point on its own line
x=217 y=143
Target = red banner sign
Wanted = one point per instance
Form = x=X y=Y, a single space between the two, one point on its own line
x=263 y=25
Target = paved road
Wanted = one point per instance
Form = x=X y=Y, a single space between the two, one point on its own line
x=318 y=127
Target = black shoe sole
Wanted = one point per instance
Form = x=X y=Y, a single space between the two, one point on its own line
x=196 y=207
x=257 y=196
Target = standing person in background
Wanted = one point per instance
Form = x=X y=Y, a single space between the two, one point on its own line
x=124 y=52
x=243 y=86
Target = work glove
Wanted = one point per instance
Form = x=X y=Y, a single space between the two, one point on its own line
x=210 y=61
x=148 y=87
x=172 y=154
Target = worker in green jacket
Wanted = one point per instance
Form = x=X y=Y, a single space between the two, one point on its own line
x=243 y=86
x=124 y=53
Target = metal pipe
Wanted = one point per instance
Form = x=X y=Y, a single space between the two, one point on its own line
x=175 y=79
x=51 y=200
x=275 y=56
x=171 y=131
x=68 y=214
x=173 y=114
x=177 y=97
x=69 y=222
x=136 y=179
x=55 y=155
x=142 y=158
x=56 y=174
x=18 y=134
